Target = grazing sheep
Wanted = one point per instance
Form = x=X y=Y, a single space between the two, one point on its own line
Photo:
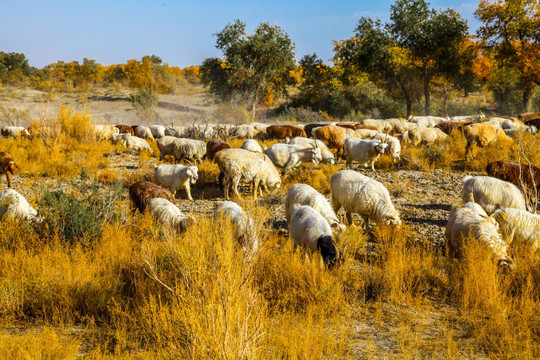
x=169 y=214
x=165 y=145
x=470 y=220
x=189 y=150
x=289 y=157
x=174 y=177
x=422 y=136
x=176 y=131
x=251 y=145
x=281 y=132
x=14 y=131
x=380 y=125
x=310 y=128
x=141 y=192
x=7 y=166
x=13 y=205
x=492 y=193
x=519 y=174
x=215 y=145
x=519 y=227
x=302 y=194
x=225 y=155
x=310 y=230
x=483 y=135
x=131 y=142
x=427 y=121
x=333 y=136
x=125 y=129
x=143 y=132
x=255 y=171
x=158 y=131
x=327 y=155
x=363 y=195
x=105 y=132
x=245 y=231
x=448 y=126
x=364 y=151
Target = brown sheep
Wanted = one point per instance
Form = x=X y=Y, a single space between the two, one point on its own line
x=526 y=117
x=7 y=166
x=516 y=173
x=141 y=192
x=448 y=126
x=482 y=135
x=533 y=122
x=215 y=145
x=348 y=125
x=281 y=132
x=333 y=136
x=125 y=129
x=309 y=128
x=365 y=127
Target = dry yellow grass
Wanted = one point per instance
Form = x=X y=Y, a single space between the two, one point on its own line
x=134 y=290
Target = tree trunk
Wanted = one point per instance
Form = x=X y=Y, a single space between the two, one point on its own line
x=409 y=107
x=253 y=108
x=426 y=90
x=527 y=97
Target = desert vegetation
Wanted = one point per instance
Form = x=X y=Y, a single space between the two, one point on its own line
x=94 y=278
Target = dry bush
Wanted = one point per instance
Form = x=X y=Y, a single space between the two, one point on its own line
x=500 y=308
x=316 y=176
x=106 y=176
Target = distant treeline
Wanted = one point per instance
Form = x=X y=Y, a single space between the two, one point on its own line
x=149 y=72
x=424 y=61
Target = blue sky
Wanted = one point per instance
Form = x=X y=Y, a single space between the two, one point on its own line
x=180 y=32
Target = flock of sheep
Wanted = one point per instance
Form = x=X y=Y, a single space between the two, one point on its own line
x=493 y=211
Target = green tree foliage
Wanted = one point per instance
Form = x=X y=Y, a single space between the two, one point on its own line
x=254 y=66
x=511 y=29
x=373 y=50
x=13 y=67
x=432 y=37
x=406 y=54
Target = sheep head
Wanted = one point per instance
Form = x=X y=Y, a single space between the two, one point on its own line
x=380 y=147
x=193 y=174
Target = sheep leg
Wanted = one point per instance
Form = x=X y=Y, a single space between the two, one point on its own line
x=226 y=190
x=8 y=180
x=255 y=187
x=235 y=183
x=373 y=165
x=188 y=192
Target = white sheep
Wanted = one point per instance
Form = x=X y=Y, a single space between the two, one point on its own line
x=302 y=194
x=422 y=136
x=143 y=132
x=427 y=121
x=14 y=131
x=327 y=155
x=366 y=152
x=169 y=214
x=158 y=131
x=174 y=177
x=165 y=145
x=492 y=193
x=131 y=142
x=252 y=145
x=470 y=220
x=176 y=131
x=13 y=205
x=188 y=149
x=287 y=156
x=105 y=132
x=519 y=227
x=245 y=231
x=310 y=230
x=394 y=146
x=255 y=171
x=363 y=195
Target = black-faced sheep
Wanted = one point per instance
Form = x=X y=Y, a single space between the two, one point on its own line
x=310 y=230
